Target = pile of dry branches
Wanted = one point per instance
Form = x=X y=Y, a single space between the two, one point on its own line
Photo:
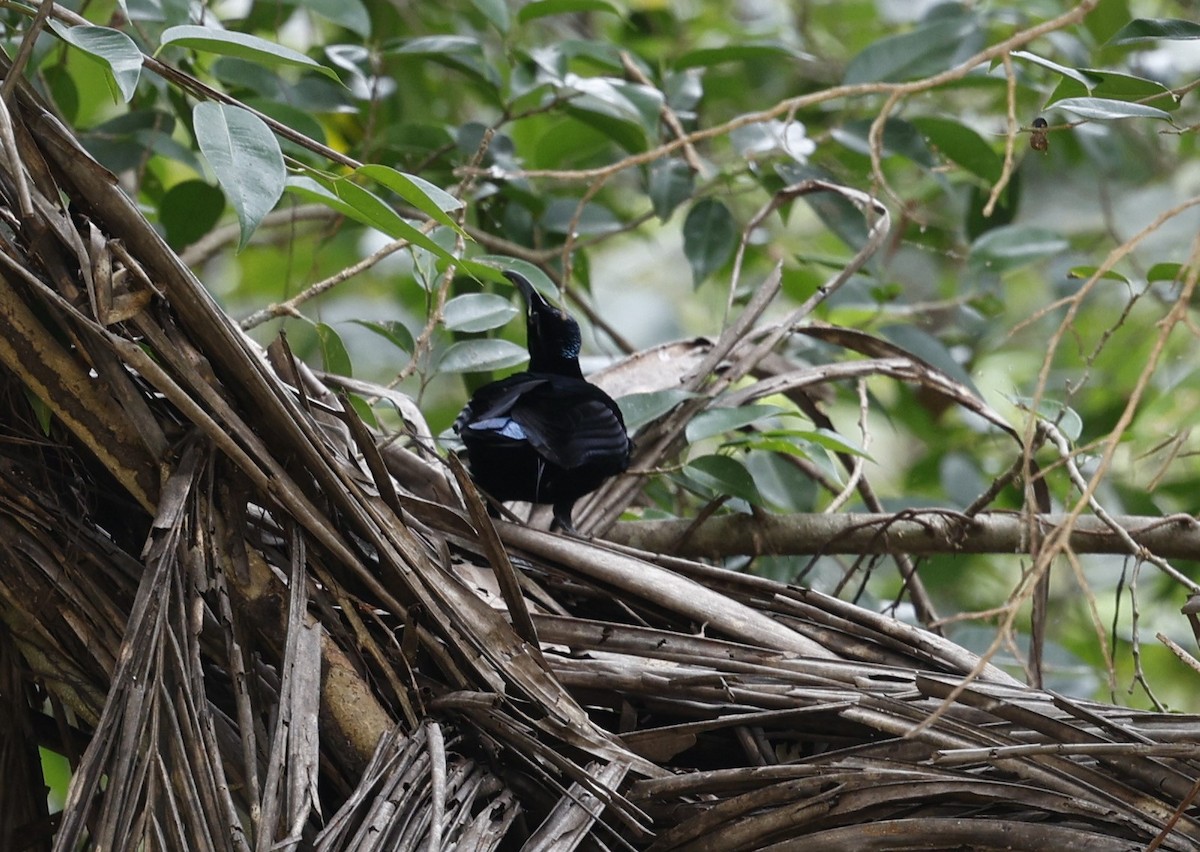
x=250 y=623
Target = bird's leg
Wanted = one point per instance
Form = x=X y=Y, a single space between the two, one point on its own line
x=562 y=518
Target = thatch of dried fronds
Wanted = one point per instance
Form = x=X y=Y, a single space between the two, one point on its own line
x=249 y=624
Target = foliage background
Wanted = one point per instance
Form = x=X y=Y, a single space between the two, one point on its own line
x=556 y=122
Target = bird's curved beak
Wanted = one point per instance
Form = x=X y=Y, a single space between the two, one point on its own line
x=531 y=296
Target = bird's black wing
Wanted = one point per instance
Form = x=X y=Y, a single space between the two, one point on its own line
x=573 y=430
x=488 y=414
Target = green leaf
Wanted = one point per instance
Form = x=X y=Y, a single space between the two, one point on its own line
x=394 y=332
x=1152 y=29
x=431 y=200
x=709 y=237
x=1086 y=272
x=245 y=156
x=628 y=113
x=364 y=411
x=638 y=409
x=438 y=45
x=333 y=352
x=1120 y=87
x=480 y=356
x=189 y=210
x=782 y=484
x=496 y=263
x=718 y=421
x=707 y=57
x=725 y=476
x=477 y=312
x=289 y=116
x=899 y=137
x=363 y=206
x=1011 y=246
x=1070 y=73
x=544 y=8
x=936 y=46
x=1005 y=211
x=463 y=53
x=595 y=218
x=242 y=46
x=671 y=183
x=961 y=145
x=1164 y=272
x=350 y=14
x=1106 y=17
x=121 y=143
x=797 y=441
x=41 y=411
x=496 y=11
x=837 y=212
x=113 y=49
x=930 y=350
x=1106 y=109
x=788 y=443
x=1064 y=417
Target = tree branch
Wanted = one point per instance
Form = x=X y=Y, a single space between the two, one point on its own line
x=925 y=531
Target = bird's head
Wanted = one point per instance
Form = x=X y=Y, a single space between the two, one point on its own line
x=553 y=336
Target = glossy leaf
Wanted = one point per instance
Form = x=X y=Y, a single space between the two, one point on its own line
x=333 y=352
x=473 y=312
x=1086 y=272
x=1153 y=29
x=1106 y=109
x=350 y=14
x=782 y=442
x=122 y=142
x=638 y=409
x=394 y=332
x=563 y=216
x=189 y=210
x=961 y=145
x=671 y=183
x=798 y=441
x=245 y=157
x=366 y=207
x=929 y=349
x=707 y=57
x=939 y=44
x=480 y=356
x=1011 y=246
x=496 y=11
x=121 y=58
x=463 y=53
x=1164 y=272
x=899 y=138
x=836 y=212
x=724 y=476
x=718 y=421
x=42 y=412
x=1004 y=212
x=443 y=45
x=431 y=200
x=1063 y=416
x=496 y=263
x=709 y=238
x=1120 y=87
x=544 y=8
x=626 y=112
x=782 y=484
x=241 y=45
x=1075 y=74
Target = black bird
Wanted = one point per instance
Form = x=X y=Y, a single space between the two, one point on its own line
x=545 y=435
